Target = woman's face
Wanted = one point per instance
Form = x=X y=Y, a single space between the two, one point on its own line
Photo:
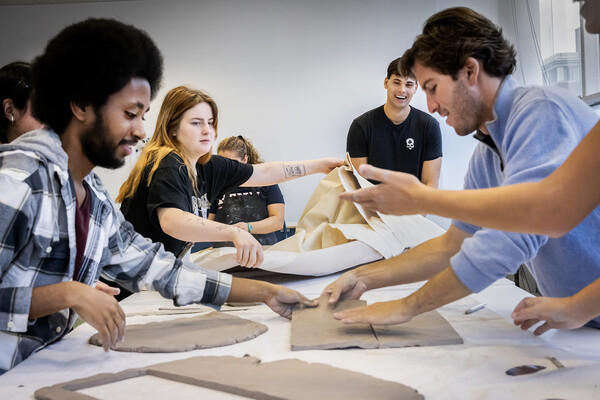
x=196 y=132
x=233 y=156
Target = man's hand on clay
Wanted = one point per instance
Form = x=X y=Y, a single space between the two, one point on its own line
x=282 y=300
x=347 y=286
x=384 y=313
x=101 y=311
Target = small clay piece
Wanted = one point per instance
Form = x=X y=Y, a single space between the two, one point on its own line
x=278 y=380
x=316 y=329
x=211 y=330
x=250 y=304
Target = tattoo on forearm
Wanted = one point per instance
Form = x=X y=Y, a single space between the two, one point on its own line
x=221 y=228
x=195 y=220
x=292 y=170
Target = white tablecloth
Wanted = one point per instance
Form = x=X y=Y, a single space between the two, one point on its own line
x=474 y=370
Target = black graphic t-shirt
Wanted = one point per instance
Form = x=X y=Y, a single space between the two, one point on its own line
x=403 y=147
x=170 y=188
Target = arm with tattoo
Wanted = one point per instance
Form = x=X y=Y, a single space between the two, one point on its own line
x=277 y=172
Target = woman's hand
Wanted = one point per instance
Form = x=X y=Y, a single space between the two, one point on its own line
x=326 y=165
x=249 y=251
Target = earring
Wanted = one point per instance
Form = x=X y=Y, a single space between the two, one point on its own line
x=12 y=119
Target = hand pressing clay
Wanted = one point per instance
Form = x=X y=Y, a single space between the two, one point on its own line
x=316 y=329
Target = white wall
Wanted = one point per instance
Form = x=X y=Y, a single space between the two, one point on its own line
x=291 y=75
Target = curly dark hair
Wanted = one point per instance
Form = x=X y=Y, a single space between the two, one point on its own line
x=455 y=34
x=15 y=84
x=86 y=63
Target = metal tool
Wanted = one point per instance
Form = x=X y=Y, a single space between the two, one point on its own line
x=524 y=370
x=530 y=369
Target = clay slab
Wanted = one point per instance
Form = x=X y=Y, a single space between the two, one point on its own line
x=427 y=329
x=184 y=334
x=316 y=329
x=279 y=380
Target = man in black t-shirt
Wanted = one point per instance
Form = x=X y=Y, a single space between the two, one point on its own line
x=397 y=136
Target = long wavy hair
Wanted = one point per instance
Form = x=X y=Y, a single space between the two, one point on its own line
x=175 y=104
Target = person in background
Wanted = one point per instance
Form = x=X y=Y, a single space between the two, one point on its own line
x=397 y=136
x=59 y=230
x=553 y=206
x=257 y=210
x=176 y=178
x=464 y=65
x=15 y=96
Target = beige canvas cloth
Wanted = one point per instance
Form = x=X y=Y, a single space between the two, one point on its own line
x=333 y=235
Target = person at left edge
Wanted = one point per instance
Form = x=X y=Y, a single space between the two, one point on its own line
x=58 y=228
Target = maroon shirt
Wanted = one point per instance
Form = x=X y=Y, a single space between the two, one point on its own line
x=82 y=225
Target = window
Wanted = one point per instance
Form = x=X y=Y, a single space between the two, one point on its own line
x=590 y=56
x=570 y=56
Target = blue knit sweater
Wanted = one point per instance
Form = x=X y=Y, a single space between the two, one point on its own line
x=534 y=130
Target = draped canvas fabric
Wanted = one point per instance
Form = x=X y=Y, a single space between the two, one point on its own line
x=332 y=234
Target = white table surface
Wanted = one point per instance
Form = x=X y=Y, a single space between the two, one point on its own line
x=473 y=370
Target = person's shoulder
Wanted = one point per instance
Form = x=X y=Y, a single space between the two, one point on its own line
x=172 y=159
x=215 y=163
x=532 y=96
x=21 y=165
x=270 y=188
x=216 y=159
x=369 y=115
x=544 y=104
x=35 y=150
x=272 y=192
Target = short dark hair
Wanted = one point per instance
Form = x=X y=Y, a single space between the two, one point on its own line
x=394 y=69
x=15 y=84
x=86 y=63
x=452 y=35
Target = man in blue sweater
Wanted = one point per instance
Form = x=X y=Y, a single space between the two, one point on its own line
x=464 y=66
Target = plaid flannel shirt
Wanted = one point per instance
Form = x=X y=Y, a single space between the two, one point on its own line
x=37 y=247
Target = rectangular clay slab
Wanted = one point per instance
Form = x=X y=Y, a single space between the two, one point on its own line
x=316 y=329
x=278 y=380
x=427 y=329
